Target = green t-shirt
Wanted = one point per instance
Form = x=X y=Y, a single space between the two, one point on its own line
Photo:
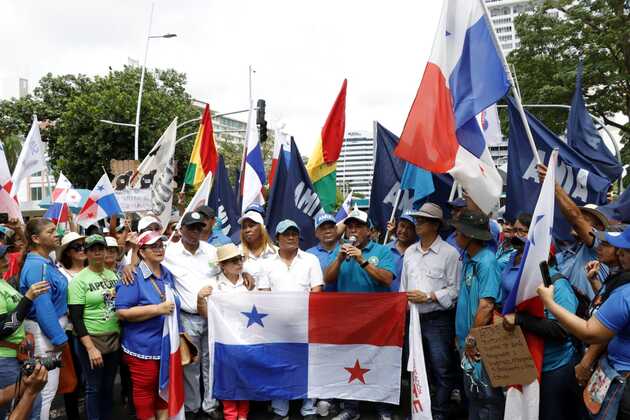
x=96 y=291
x=9 y=299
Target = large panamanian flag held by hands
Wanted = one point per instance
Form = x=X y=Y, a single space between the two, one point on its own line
x=101 y=203
x=322 y=165
x=523 y=403
x=292 y=345
x=204 y=157
x=463 y=77
x=171 y=371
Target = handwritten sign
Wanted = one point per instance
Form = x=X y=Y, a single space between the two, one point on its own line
x=505 y=355
x=134 y=199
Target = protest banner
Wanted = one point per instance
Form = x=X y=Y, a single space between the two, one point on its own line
x=134 y=199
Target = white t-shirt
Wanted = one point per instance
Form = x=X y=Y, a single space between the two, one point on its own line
x=224 y=285
x=191 y=272
x=256 y=265
x=301 y=275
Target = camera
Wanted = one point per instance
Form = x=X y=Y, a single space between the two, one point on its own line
x=49 y=362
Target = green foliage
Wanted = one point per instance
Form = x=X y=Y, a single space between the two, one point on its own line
x=553 y=39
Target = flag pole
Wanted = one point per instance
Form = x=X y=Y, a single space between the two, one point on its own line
x=391 y=218
x=515 y=92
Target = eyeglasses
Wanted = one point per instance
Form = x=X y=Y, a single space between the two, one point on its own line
x=155 y=247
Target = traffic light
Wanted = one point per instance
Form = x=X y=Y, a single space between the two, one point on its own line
x=260 y=120
x=260 y=112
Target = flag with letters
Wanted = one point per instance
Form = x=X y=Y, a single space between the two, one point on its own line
x=577 y=176
x=293 y=197
x=294 y=345
x=223 y=200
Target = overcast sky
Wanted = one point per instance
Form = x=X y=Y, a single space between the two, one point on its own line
x=301 y=51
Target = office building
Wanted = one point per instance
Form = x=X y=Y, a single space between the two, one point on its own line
x=355 y=166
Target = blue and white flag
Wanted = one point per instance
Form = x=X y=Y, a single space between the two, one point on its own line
x=223 y=200
x=577 y=176
x=584 y=137
x=253 y=166
x=293 y=197
x=344 y=210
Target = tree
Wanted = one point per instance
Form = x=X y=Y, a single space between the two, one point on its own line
x=555 y=37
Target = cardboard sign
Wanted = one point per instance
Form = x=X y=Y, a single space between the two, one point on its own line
x=134 y=199
x=505 y=355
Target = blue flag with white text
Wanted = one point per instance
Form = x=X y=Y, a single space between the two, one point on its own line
x=293 y=197
x=386 y=182
x=584 y=137
x=418 y=180
x=223 y=200
x=577 y=176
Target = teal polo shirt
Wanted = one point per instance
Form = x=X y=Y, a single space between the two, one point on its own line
x=353 y=278
x=480 y=279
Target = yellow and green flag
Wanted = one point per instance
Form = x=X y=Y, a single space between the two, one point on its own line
x=322 y=165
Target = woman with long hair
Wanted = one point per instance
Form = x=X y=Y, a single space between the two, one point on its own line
x=142 y=308
x=48 y=318
x=91 y=303
x=256 y=245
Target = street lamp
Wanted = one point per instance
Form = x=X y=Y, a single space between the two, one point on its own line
x=144 y=65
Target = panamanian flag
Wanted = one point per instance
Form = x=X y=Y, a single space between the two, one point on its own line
x=293 y=345
x=171 y=388
x=344 y=210
x=63 y=195
x=101 y=203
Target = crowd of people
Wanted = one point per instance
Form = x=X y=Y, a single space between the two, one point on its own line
x=98 y=301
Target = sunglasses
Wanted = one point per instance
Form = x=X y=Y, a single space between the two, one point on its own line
x=76 y=247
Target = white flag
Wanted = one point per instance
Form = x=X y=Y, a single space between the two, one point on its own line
x=32 y=158
x=420 y=398
x=201 y=196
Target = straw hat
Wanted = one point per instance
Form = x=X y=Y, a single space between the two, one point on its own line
x=67 y=239
x=227 y=252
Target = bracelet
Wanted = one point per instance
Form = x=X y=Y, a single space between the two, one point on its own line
x=364 y=263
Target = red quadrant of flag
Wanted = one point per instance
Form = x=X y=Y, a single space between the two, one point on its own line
x=357 y=318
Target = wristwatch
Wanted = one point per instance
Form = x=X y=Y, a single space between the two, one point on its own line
x=364 y=263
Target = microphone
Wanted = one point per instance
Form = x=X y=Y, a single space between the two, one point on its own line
x=352 y=241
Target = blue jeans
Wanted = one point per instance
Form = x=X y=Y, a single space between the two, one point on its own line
x=99 y=383
x=438 y=340
x=484 y=401
x=353 y=407
x=281 y=407
x=560 y=385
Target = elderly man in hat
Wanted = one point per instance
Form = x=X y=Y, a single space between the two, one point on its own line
x=585 y=221
x=193 y=263
x=480 y=286
x=361 y=265
x=431 y=272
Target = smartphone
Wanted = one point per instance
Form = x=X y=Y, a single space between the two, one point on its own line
x=544 y=270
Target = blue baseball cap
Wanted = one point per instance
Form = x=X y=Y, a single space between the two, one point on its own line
x=619 y=239
x=323 y=218
x=408 y=215
x=459 y=202
x=285 y=225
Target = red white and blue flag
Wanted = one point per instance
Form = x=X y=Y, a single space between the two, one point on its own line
x=62 y=196
x=171 y=370
x=344 y=210
x=253 y=172
x=464 y=76
x=101 y=203
x=8 y=203
x=523 y=402
x=293 y=345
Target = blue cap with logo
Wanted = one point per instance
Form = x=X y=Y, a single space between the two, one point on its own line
x=255 y=207
x=408 y=215
x=619 y=239
x=324 y=218
x=285 y=225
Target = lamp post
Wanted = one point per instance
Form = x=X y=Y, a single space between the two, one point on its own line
x=144 y=66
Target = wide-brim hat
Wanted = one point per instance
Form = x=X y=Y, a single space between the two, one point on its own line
x=67 y=239
x=227 y=252
x=593 y=210
x=473 y=224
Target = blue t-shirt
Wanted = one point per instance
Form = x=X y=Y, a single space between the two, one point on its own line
x=325 y=258
x=451 y=240
x=503 y=254
x=143 y=339
x=509 y=274
x=576 y=273
x=558 y=354
x=614 y=314
x=353 y=278
x=480 y=279
x=217 y=238
x=48 y=307
x=398 y=263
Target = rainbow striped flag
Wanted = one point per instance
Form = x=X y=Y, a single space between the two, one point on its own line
x=322 y=165
x=204 y=157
